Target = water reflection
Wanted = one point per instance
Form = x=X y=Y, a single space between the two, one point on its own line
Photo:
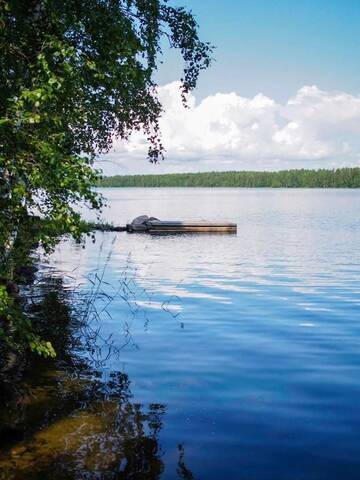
x=262 y=381
x=91 y=430
x=69 y=419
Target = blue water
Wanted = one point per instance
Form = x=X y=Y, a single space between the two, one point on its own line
x=251 y=341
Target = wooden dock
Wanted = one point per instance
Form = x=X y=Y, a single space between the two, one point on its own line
x=171 y=227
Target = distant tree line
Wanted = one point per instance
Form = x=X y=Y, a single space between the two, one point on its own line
x=336 y=178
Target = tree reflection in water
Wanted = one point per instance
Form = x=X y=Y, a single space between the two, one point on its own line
x=65 y=419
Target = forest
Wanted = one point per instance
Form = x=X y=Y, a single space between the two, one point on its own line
x=336 y=178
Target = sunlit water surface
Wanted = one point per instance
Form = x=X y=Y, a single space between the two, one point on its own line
x=250 y=343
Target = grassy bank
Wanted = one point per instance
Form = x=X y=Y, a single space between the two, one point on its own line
x=337 y=178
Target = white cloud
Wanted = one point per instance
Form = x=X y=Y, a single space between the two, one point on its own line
x=225 y=131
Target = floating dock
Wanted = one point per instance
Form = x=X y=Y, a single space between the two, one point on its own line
x=171 y=227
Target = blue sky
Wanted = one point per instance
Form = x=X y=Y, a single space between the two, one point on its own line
x=277 y=46
x=294 y=69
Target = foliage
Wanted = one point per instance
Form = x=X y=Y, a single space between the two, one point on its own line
x=74 y=75
x=16 y=331
x=339 y=178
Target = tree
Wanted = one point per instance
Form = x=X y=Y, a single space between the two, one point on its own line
x=75 y=75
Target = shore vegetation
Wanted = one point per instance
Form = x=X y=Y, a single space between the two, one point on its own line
x=74 y=76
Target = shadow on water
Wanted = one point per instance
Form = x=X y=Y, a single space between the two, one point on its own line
x=66 y=418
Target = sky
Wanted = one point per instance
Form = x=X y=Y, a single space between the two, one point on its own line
x=283 y=92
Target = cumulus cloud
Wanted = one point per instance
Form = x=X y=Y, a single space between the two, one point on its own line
x=314 y=128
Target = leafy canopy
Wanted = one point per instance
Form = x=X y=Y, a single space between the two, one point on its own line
x=74 y=75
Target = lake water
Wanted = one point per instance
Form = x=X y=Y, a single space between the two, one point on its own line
x=241 y=352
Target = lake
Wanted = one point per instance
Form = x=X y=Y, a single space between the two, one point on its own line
x=240 y=353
